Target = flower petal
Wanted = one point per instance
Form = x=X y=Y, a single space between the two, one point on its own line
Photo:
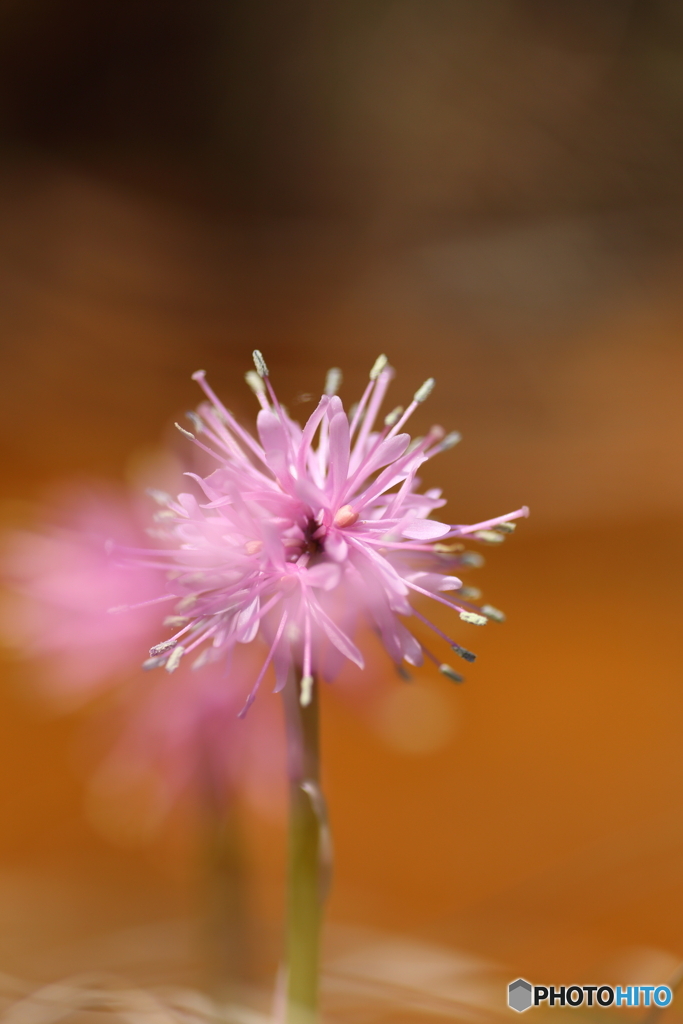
x=425 y=529
x=335 y=635
x=339 y=453
x=247 y=624
x=325 y=575
x=335 y=546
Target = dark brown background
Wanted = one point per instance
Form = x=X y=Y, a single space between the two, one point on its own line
x=492 y=193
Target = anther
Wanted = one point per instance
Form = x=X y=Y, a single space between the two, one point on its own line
x=505 y=528
x=333 y=381
x=260 y=363
x=151 y=663
x=493 y=613
x=196 y=421
x=451 y=674
x=474 y=618
x=187 y=433
x=306 y=694
x=470 y=593
x=160 y=648
x=378 y=366
x=489 y=536
x=161 y=497
x=174 y=659
x=472 y=558
x=393 y=417
x=345 y=516
x=463 y=653
x=450 y=440
x=176 y=621
x=425 y=390
x=255 y=383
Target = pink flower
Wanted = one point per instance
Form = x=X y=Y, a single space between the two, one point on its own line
x=302 y=534
x=63 y=585
x=84 y=618
x=183 y=736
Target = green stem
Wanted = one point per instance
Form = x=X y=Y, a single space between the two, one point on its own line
x=226 y=920
x=308 y=847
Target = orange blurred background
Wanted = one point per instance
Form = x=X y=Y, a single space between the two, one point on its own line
x=491 y=193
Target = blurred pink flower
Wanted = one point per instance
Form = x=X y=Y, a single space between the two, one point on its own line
x=62 y=584
x=183 y=735
x=299 y=543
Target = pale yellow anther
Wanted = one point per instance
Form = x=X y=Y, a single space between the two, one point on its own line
x=345 y=516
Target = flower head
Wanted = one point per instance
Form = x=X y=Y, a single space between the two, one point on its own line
x=303 y=533
x=63 y=589
x=84 y=617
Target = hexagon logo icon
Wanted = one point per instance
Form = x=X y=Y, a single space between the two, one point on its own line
x=519 y=995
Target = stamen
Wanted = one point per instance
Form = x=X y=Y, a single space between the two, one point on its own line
x=491 y=524
x=450 y=673
x=271 y=652
x=489 y=536
x=425 y=390
x=472 y=559
x=450 y=441
x=493 y=613
x=187 y=433
x=151 y=663
x=142 y=604
x=378 y=388
x=378 y=366
x=255 y=382
x=196 y=421
x=422 y=393
x=439 y=632
x=227 y=418
x=161 y=648
x=257 y=386
x=393 y=416
x=333 y=381
x=174 y=659
x=474 y=618
x=161 y=497
x=306 y=694
x=260 y=363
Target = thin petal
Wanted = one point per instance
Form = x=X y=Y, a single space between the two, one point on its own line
x=340 y=640
x=325 y=575
x=339 y=453
x=425 y=529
